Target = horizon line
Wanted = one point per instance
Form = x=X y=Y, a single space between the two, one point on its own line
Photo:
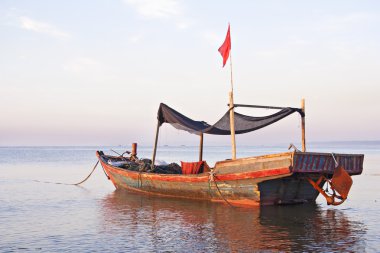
x=183 y=145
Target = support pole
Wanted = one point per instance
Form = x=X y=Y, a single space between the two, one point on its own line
x=232 y=126
x=155 y=144
x=303 y=126
x=201 y=147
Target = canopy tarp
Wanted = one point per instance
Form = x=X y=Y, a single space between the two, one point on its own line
x=243 y=123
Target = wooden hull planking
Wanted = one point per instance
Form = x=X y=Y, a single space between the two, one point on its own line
x=263 y=180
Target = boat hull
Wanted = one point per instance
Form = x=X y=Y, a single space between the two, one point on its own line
x=264 y=180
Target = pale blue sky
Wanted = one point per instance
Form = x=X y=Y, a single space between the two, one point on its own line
x=94 y=72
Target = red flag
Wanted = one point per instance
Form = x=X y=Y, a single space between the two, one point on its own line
x=224 y=50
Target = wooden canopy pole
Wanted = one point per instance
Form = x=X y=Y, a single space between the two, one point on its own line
x=201 y=147
x=155 y=144
x=232 y=113
x=232 y=126
x=303 y=126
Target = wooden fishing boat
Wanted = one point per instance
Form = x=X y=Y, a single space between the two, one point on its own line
x=284 y=178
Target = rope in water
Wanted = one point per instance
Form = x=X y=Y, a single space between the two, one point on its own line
x=84 y=180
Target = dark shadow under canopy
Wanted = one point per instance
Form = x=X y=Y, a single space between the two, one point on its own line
x=243 y=123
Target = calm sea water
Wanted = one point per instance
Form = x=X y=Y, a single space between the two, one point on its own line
x=93 y=217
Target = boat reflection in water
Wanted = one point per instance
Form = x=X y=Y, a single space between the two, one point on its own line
x=139 y=222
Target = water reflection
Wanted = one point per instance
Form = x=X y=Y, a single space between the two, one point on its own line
x=311 y=228
x=147 y=223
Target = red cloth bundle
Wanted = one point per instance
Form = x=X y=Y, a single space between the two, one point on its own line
x=191 y=167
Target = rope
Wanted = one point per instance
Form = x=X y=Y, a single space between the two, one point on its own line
x=84 y=180
x=336 y=163
x=212 y=179
x=105 y=173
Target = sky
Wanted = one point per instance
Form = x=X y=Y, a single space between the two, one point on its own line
x=94 y=72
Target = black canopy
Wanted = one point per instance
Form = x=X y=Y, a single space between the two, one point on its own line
x=243 y=123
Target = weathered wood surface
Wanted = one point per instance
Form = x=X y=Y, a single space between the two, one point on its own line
x=324 y=163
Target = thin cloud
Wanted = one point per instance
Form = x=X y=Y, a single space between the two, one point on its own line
x=41 y=27
x=297 y=41
x=156 y=8
x=345 y=22
x=267 y=54
x=182 y=25
x=213 y=38
x=81 y=64
x=135 y=38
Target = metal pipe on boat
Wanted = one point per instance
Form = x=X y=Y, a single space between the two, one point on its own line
x=259 y=106
x=299 y=110
x=134 y=149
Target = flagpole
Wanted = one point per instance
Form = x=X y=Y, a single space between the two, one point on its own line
x=232 y=81
x=225 y=51
x=232 y=114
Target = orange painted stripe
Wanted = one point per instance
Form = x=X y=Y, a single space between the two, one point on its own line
x=253 y=174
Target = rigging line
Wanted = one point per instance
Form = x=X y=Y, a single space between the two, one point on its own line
x=121 y=155
x=47 y=182
x=116 y=152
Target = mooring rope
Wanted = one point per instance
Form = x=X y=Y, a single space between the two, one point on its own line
x=84 y=180
x=212 y=177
